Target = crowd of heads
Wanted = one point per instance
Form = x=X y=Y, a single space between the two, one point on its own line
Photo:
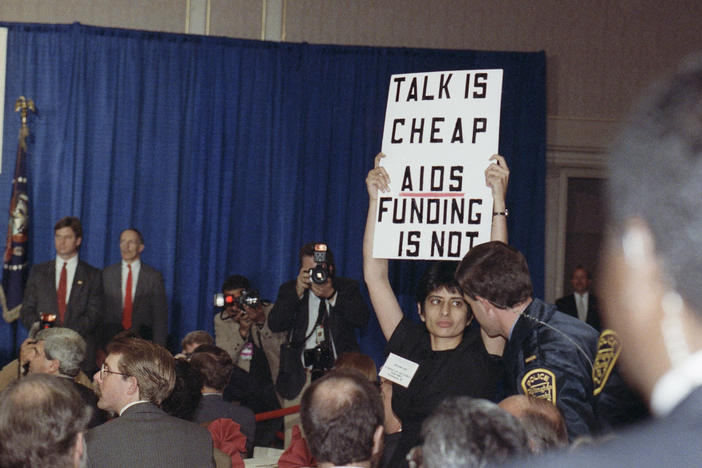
x=42 y=422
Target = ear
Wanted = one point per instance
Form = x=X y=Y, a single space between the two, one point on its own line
x=487 y=305
x=133 y=386
x=141 y=248
x=378 y=440
x=54 y=366
x=78 y=241
x=419 y=312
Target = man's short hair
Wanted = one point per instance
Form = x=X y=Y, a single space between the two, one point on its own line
x=466 y=432
x=497 y=272
x=150 y=364
x=40 y=418
x=199 y=337
x=340 y=413
x=64 y=345
x=236 y=282
x=437 y=275
x=655 y=169
x=140 y=236
x=214 y=364
x=307 y=250
x=71 y=222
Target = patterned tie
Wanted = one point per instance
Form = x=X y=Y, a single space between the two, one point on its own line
x=127 y=311
x=61 y=293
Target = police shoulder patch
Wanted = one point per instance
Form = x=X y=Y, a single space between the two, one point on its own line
x=540 y=383
x=608 y=349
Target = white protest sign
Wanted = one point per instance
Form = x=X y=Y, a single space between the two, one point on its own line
x=440 y=130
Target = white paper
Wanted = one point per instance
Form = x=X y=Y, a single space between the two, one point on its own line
x=398 y=370
x=440 y=130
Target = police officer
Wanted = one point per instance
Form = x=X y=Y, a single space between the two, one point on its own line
x=548 y=354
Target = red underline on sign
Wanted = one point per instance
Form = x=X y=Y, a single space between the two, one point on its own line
x=431 y=194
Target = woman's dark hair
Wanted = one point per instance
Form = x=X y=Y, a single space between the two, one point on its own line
x=437 y=275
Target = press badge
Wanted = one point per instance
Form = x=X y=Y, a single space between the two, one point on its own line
x=247 y=351
x=319 y=335
x=398 y=370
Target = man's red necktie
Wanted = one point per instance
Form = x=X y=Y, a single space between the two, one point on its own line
x=127 y=311
x=61 y=293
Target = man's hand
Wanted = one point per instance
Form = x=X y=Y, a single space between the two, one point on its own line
x=27 y=351
x=244 y=325
x=377 y=179
x=324 y=290
x=303 y=282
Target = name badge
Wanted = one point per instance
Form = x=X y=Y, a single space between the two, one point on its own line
x=319 y=334
x=247 y=352
x=398 y=370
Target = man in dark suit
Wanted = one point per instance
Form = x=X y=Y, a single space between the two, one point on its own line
x=652 y=276
x=215 y=366
x=143 y=307
x=135 y=378
x=582 y=304
x=319 y=316
x=66 y=290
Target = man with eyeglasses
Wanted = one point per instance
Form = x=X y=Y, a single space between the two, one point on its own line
x=135 y=296
x=134 y=379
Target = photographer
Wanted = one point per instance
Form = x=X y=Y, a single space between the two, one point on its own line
x=319 y=309
x=242 y=330
x=319 y=312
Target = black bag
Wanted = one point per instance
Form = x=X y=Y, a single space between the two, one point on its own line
x=291 y=374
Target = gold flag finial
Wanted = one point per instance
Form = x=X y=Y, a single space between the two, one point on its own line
x=24 y=105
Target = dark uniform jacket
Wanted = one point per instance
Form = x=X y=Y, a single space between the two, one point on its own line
x=550 y=355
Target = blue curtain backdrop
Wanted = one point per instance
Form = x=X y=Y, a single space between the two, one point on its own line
x=229 y=154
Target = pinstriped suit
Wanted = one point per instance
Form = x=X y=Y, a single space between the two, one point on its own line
x=145 y=436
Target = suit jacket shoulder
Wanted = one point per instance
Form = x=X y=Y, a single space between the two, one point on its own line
x=146 y=436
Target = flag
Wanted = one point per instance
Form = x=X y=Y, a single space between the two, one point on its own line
x=15 y=258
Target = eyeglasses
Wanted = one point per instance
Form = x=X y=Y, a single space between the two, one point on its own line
x=105 y=370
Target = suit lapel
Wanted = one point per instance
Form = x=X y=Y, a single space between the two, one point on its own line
x=140 y=287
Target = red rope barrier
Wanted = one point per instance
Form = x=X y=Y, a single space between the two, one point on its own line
x=277 y=413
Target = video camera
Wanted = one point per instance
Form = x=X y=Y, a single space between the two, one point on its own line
x=248 y=297
x=321 y=271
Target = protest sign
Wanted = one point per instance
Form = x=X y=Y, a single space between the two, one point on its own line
x=440 y=130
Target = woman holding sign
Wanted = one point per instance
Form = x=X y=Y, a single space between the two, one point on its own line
x=453 y=356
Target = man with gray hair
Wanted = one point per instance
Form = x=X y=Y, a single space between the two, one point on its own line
x=42 y=423
x=465 y=432
x=60 y=351
x=652 y=275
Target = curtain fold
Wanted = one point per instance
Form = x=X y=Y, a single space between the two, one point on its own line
x=229 y=154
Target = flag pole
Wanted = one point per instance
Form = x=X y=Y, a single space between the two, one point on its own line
x=15 y=258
